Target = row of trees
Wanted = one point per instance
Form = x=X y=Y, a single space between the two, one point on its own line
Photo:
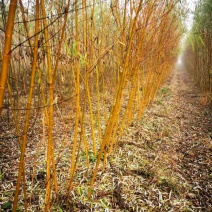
x=102 y=60
x=198 y=51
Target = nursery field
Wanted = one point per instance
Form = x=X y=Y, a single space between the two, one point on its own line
x=105 y=105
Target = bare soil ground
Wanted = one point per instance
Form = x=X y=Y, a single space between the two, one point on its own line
x=162 y=163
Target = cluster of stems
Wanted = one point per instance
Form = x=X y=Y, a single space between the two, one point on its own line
x=104 y=60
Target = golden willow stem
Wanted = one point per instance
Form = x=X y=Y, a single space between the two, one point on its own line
x=50 y=162
x=90 y=59
x=98 y=106
x=26 y=125
x=61 y=40
x=84 y=16
x=77 y=91
x=7 y=53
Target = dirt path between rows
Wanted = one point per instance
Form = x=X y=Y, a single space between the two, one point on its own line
x=194 y=122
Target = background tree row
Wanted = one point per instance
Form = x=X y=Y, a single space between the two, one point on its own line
x=198 y=51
